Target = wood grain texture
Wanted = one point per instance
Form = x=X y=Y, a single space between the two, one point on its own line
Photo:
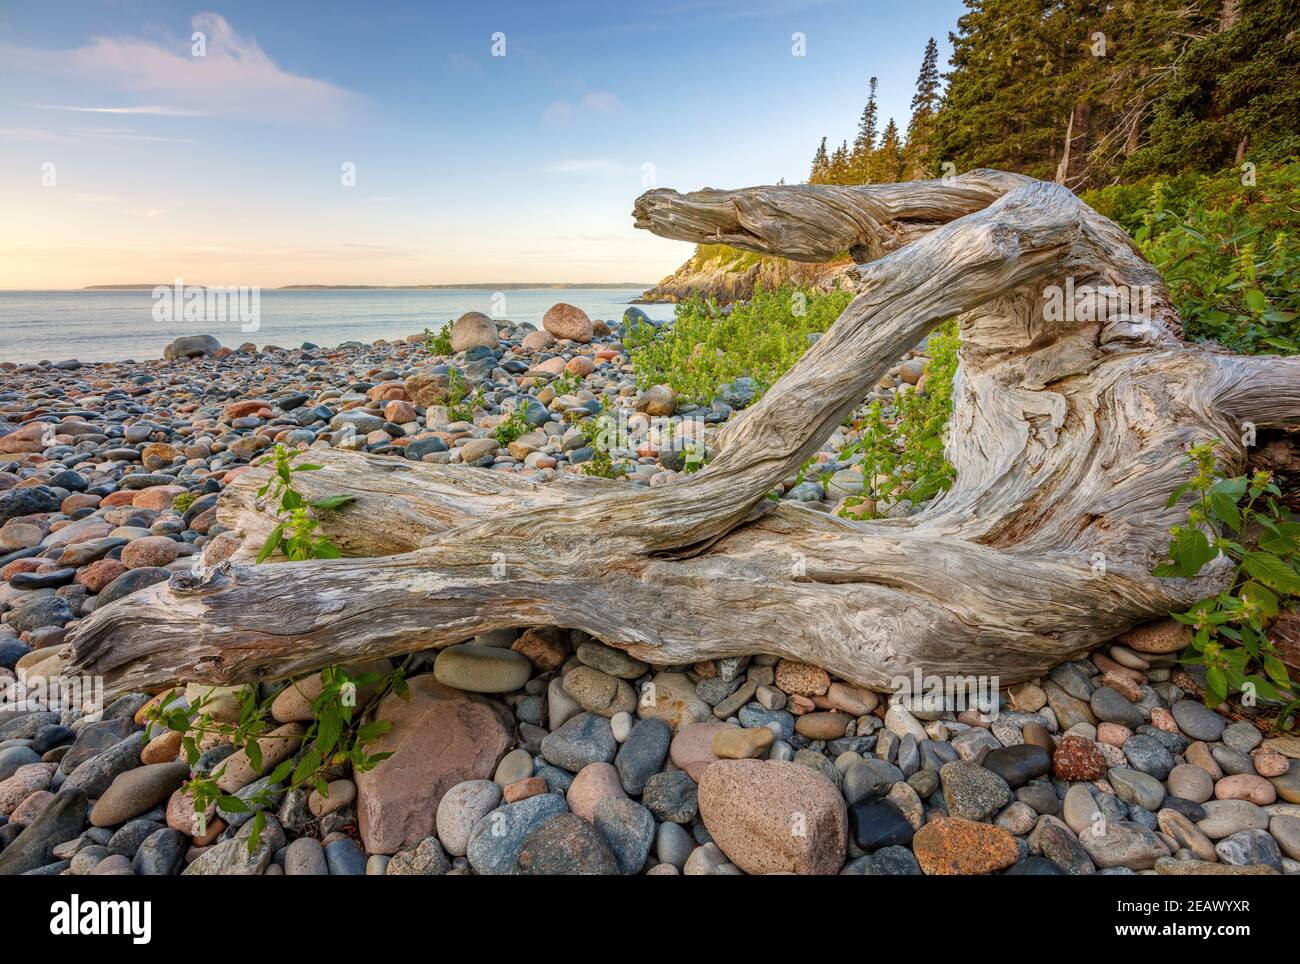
x=1068 y=434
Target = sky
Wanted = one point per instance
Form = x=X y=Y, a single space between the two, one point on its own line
x=412 y=143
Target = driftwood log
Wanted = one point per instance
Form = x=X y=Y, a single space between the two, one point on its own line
x=1068 y=435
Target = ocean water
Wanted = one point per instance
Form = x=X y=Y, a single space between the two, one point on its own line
x=115 y=325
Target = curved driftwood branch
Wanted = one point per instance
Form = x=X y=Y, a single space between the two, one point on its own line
x=1068 y=433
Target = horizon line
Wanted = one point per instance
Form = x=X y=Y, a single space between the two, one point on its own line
x=474 y=285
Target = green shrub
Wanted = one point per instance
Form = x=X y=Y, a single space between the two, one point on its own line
x=704 y=349
x=510 y=427
x=902 y=445
x=438 y=343
x=1247 y=523
x=1227 y=251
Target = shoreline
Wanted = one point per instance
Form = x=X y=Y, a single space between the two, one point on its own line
x=110 y=477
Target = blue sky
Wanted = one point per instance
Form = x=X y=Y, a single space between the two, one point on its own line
x=126 y=158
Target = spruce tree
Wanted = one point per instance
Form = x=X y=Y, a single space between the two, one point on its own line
x=840 y=172
x=820 y=166
x=926 y=98
x=865 y=141
x=887 y=161
x=924 y=104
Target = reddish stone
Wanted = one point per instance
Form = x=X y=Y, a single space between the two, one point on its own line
x=1122 y=685
x=595 y=782
x=544 y=646
x=149 y=551
x=204 y=520
x=252 y=406
x=33 y=437
x=951 y=845
x=439 y=738
x=773 y=816
x=121 y=497
x=1077 y=758
x=19 y=565
x=581 y=365
x=523 y=789
x=157 y=497
x=78 y=500
x=566 y=321
x=399 y=412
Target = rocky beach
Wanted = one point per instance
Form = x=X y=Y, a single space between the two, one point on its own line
x=539 y=749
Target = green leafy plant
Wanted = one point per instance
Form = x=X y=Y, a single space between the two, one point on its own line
x=1242 y=519
x=596 y=430
x=439 y=342
x=902 y=445
x=294 y=535
x=338 y=733
x=1233 y=282
x=567 y=383
x=1227 y=250
x=183 y=502
x=511 y=427
x=460 y=399
x=706 y=347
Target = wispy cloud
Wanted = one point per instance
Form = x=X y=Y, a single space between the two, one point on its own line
x=596 y=102
x=153 y=110
x=234 y=77
x=595 y=165
x=463 y=64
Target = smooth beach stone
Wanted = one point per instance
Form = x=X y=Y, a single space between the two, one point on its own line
x=1017 y=765
x=1248 y=848
x=345 y=858
x=1120 y=843
x=598 y=692
x=628 y=828
x=482 y=669
x=869 y=778
x=305 y=857
x=161 y=854
x=1223 y=818
x=611 y=661
x=879 y=823
x=138 y=791
x=1111 y=706
x=497 y=838
x=130 y=836
x=673 y=845
x=584 y=739
x=1134 y=786
x=1198 y=721
x=642 y=753
x=1191 y=783
x=514 y=766
x=749 y=807
x=461 y=808
x=671 y=795
x=425 y=859
x=1241 y=736
x=738 y=743
x=565 y=844
x=1059 y=843
x=1185 y=833
x=951 y=845
x=971 y=791
x=61 y=821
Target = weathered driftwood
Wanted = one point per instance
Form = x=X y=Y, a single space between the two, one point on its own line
x=1068 y=435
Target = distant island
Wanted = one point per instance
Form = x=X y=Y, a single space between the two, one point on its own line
x=482 y=286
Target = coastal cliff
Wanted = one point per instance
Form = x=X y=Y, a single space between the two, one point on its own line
x=728 y=274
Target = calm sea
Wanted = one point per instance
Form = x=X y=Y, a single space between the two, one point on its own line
x=112 y=325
